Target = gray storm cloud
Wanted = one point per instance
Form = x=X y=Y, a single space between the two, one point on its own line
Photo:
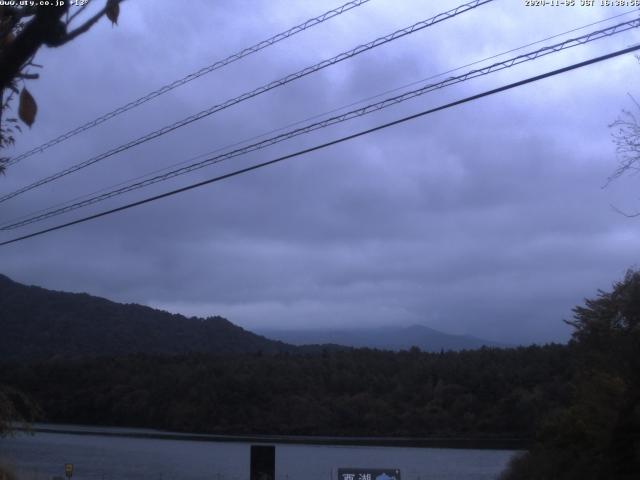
x=487 y=219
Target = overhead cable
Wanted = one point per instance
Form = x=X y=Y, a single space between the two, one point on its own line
x=331 y=143
x=312 y=22
x=312 y=117
x=495 y=67
x=246 y=96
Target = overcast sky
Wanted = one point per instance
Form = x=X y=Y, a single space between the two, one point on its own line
x=487 y=219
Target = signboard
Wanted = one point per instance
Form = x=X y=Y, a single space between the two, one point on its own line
x=263 y=462
x=68 y=469
x=368 y=474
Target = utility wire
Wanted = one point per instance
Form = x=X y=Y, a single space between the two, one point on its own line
x=313 y=117
x=592 y=36
x=333 y=142
x=312 y=22
x=265 y=88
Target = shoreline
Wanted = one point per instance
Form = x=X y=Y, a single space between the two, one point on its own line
x=479 y=443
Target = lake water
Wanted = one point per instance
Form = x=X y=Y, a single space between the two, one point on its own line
x=42 y=455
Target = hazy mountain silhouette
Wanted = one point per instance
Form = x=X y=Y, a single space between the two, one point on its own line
x=384 y=338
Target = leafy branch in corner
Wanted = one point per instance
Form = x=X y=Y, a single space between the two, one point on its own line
x=23 y=30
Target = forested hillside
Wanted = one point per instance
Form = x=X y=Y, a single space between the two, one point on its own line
x=501 y=392
x=37 y=324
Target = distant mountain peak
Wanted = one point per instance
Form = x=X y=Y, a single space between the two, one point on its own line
x=387 y=337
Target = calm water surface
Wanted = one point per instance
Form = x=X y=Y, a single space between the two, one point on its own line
x=43 y=455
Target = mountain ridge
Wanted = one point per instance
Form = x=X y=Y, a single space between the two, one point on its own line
x=383 y=338
x=38 y=323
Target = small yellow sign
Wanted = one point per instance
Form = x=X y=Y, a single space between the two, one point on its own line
x=68 y=469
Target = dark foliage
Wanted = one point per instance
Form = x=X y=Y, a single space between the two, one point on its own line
x=485 y=392
x=598 y=435
x=16 y=409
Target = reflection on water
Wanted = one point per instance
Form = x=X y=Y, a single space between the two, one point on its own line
x=43 y=455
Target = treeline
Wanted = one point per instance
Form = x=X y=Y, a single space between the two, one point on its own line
x=486 y=392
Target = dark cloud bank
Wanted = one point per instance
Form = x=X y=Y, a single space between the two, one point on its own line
x=488 y=219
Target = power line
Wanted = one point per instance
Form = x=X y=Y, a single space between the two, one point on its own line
x=476 y=62
x=246 y=96
x=337 y=119
x=312 y=22
x=313 y=117
x=569 y=43
x=333 y=142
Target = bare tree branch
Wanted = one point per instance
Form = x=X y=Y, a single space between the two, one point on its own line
x=78 y=12
x=628 y=215
x=626 y=137
x=44 y=28
x=86 y=25
x=82 y=28
x=28 y=76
